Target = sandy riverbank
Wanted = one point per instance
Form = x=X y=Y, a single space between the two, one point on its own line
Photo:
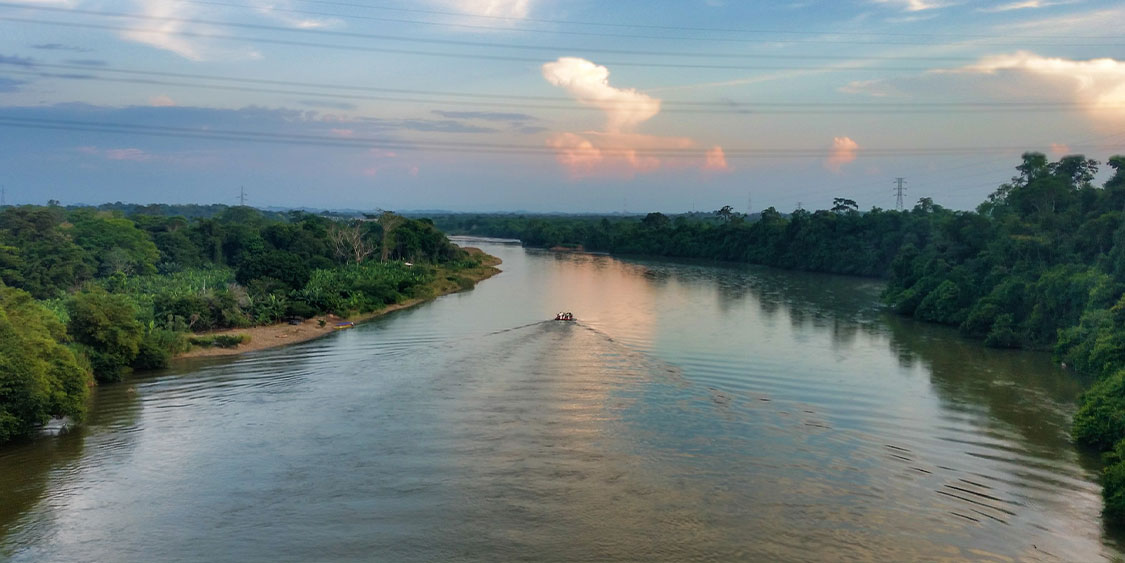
x=272 y=336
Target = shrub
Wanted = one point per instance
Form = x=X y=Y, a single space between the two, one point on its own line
x=1100 y=421
x=219 y=340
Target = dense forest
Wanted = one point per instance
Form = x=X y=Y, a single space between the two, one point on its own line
x=89 y=294
x=1039 y=265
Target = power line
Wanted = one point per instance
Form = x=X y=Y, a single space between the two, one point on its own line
x=733 y=107
x=464 y=43
x=709 y=38
x=856 y=65
x=666 y=27
x=468 y=147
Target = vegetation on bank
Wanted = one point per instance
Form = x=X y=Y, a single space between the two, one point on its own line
x=89 y=295
x=1039 y=265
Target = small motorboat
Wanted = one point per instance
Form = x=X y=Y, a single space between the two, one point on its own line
x=568 y=316
x=344 y=325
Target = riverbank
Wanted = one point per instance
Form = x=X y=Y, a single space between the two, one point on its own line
x=282 y=334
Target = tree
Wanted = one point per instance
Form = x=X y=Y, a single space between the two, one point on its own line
x=725 y=214
x=349 y=243
x=105 y=325
x=39 y=376
x=843 y=205
x=389 y=222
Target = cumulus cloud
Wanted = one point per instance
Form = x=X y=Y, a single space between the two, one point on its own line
x=589 y=84
x=617 y=150
x=844 y=150
x=1098 y=84
x=161 y=101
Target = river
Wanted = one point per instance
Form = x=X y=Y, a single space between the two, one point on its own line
x=694 y=412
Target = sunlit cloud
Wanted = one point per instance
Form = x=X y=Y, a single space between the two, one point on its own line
x=716 y=160
x=1097 y=84
x=618 y=150
x=161 y=101
x=589 y=84
x=843 y=151
x=1059 y=149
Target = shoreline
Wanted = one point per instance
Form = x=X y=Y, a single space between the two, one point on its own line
x=265 y=337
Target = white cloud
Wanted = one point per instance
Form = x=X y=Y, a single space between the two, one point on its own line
x=844 y=151
x=1098 y=84
x=1087 y=24
x=161 y=101
x=282 y=11
x=618 y=150
x=914 y=5
x=513 y=9
x=1023 y=5
x=589 y=84
x=164 y=34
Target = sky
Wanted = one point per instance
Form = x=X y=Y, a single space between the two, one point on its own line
x=549 y=105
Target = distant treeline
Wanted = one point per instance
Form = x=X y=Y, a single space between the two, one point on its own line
x=89 y=294
x=1040 y=265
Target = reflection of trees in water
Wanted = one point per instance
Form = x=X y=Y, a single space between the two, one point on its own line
x=1021 y=390
x=26 y=469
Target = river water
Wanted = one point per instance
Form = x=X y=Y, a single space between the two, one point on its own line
x=694 y=412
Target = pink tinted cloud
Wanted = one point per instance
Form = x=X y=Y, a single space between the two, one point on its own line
x=716 y=160
x=617 y=150
x=161 y=101
x=1060 y=149
x=844 y=151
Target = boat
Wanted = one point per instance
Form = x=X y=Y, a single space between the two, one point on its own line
x=567 y=316
x=344 y=325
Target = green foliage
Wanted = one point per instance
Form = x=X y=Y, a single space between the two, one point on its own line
x=115 y=243
x=37 y=254
x=40 y=377
x=105 y=325
x=219 y=340
x=1113 y=491
x=157 y=348
x=1100 y=421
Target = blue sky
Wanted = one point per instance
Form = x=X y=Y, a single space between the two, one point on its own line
x=549 y=105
